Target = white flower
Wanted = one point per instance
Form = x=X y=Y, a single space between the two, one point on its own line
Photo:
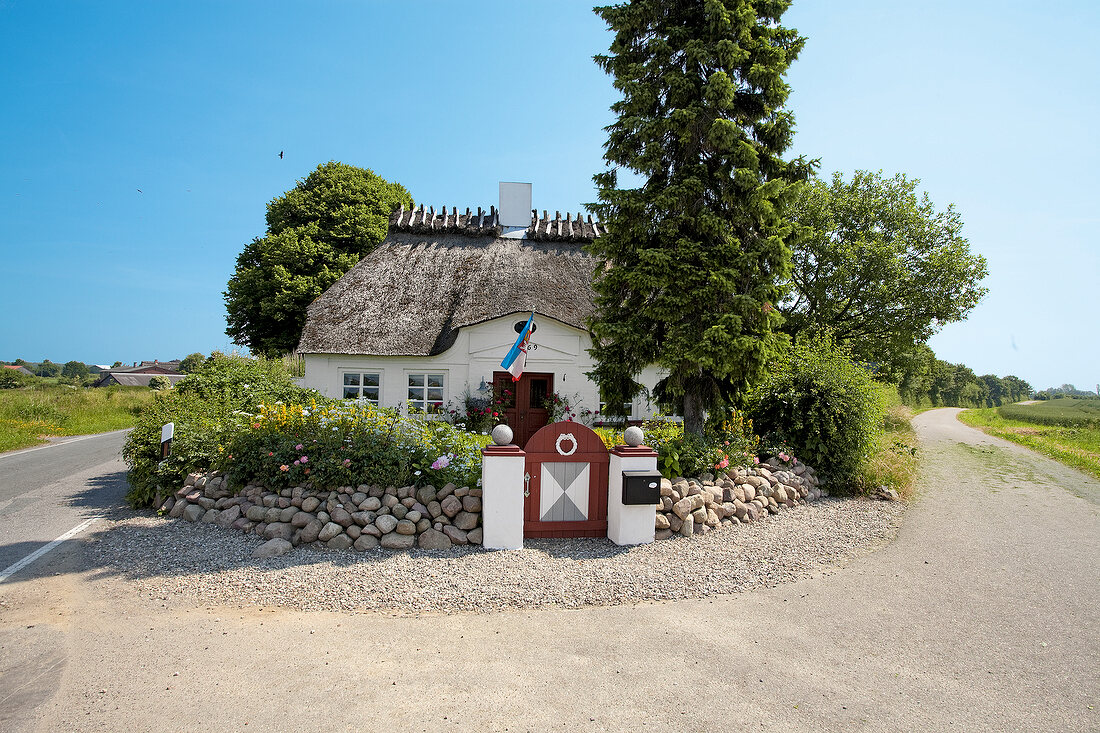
x=417 y=473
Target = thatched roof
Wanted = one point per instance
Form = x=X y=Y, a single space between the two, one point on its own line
x=436 y=273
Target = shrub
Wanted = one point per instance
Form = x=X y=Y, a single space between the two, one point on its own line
x=13 y=379
x=347 y=444
x=160 y=382
x=242 y=382
x=208 y=407
x=827 y=409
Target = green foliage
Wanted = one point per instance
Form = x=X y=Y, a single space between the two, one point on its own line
x=41 y=409
x=207 y=407
x=191 y=362
x=242 y=382
x=160 y=382
x=315 y=233
x=201 y=426
x=878 y=266
x=75 y=369
x=828 y=409
x=348 y=444
x=14 y=379
x=692 y=259
x=246 y=417
x=48 y=369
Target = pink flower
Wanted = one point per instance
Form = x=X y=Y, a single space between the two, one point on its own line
x=755 y=459
x=297 y=463
x=305 y=459
x=284 y=467
x=347 y=462
x=784 y=457
x=298 y=447
x=269 y=454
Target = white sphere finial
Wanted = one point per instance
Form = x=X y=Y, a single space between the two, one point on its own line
x=502 y=435
x=633 y=436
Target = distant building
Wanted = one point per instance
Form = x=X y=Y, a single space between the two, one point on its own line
x=140 y=373
x=20 y=369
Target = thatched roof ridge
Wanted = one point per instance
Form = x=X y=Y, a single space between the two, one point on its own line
x=487 y=223
x=410 y=296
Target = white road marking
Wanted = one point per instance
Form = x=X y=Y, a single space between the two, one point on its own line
x=15 y=568
x=60 y=442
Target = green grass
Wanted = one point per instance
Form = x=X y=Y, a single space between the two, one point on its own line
x=894 y=462
x=1066 y=430
x=1061 y=412
x=30 y=413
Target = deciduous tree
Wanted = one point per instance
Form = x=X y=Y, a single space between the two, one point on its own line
x=693 y=255
x=878 y=265
x=315 y=233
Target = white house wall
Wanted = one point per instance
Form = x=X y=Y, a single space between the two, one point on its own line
x=560 y=349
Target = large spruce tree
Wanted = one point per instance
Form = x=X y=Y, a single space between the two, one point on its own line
x=694 y=254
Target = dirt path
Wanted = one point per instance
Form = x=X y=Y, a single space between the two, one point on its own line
x=980 y=616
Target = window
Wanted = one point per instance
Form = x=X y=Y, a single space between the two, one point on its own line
x=426 y=392
x=362 y=386
x=628 y=409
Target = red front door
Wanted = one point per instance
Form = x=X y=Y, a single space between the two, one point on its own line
x=524 y=402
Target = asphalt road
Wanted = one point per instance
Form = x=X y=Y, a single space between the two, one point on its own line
x=980 y=616
x=48 y=490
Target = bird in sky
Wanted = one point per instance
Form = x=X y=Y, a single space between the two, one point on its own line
x=139 y=190
x=280 y=155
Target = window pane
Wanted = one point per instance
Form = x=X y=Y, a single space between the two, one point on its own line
x=370 y=380
x=435 y=380
x=416 y=380
x=538 y=393
x=435 y=395
x=416 y=393
x=351 y=380
x=350 y=393
x=416 y=406
x=371 y=393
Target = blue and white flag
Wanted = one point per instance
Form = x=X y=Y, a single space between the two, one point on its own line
x=516 y=359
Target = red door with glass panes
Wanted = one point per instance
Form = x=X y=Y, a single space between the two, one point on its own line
x=523 y=403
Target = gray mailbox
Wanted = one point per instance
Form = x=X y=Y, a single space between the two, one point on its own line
x=641 y=487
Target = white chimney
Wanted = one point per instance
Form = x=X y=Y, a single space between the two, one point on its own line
x=515 y=209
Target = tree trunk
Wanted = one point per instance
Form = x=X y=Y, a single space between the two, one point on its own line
x=694 y=414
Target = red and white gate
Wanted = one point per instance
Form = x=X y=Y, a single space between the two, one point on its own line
x=565 y=483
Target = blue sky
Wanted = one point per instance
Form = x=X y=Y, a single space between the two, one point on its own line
x=992 y=105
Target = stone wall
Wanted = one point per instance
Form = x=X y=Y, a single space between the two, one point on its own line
x=436 y=519
x=698 y=505
x=348 y=518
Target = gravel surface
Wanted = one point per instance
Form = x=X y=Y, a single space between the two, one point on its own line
x=170 y=560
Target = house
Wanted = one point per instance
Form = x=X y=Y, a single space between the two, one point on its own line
x=424 y=320
x=140 y=374
x=18 y=368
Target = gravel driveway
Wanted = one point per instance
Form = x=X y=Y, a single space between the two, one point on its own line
x=172 y=560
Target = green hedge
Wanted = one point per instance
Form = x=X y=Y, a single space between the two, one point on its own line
x=826 y=408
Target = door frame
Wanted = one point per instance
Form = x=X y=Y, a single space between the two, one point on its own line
x=522 y=415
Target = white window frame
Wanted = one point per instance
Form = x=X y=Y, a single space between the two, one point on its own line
x=360 y=373
x=410 y=401
x=628 y=405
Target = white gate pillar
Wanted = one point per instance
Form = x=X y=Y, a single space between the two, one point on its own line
x=629 y=524
x=502 y=486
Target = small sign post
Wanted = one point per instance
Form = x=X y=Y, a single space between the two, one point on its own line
x=166 y=433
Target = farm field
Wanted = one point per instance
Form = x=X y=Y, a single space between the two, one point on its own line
x=1066 y=430
x=26 y=415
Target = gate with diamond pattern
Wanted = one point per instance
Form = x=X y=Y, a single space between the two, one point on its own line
x=565 y=483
